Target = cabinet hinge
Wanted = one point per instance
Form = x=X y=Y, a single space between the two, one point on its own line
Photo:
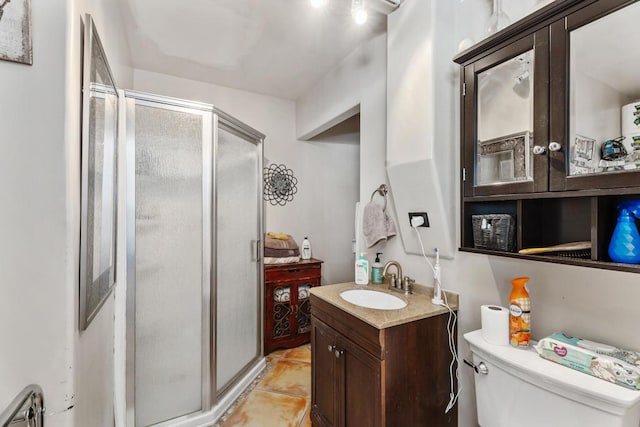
x=464 y=174
x=464 y=89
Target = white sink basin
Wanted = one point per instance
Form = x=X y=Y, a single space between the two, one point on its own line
x=373 y=299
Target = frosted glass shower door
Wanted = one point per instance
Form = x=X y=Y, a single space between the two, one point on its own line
x=238 y=275
x=170 y=147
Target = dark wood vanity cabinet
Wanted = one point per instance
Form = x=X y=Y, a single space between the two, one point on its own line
x=287 y=309
x=345 y=370
x=364 y=376
x=549 y=133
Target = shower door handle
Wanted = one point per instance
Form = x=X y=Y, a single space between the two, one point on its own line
x=255 y=249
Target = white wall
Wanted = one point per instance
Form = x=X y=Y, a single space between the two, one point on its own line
x=36 y=303
x=417 y=125
x=39 y=253
x=338 y=150
x=319 y=210
x=586 y=302
x=357 y=83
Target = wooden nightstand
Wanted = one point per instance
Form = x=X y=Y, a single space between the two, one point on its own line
x=287 y=311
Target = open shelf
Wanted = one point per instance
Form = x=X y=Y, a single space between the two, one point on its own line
x=630 y=268
x=553 y=221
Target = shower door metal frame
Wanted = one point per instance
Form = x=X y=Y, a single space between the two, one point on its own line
x=213 y=119
x=229 y=123
x=132 y=99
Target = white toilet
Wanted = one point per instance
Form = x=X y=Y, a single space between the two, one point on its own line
x=519 y=388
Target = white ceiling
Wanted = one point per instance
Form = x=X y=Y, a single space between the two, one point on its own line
x=274 y=47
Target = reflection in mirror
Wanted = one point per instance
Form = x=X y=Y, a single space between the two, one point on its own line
x=604 y=120
x=99 y=134
x=505 y=121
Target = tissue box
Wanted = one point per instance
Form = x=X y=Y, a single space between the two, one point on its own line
x=611 y=364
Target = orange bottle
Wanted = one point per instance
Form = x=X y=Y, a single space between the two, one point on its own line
x=519 y=314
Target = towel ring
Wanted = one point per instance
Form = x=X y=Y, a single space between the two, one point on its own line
x=382 y=190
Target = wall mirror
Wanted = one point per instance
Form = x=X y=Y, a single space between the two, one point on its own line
x=98 y=180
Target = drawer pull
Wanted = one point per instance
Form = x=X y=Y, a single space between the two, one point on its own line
x=293 y=271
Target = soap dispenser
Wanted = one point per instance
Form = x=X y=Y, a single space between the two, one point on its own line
x=625 y=241
x=362 y=270
x=376 y=270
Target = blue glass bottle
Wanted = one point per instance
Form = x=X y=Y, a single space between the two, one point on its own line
x=625 y=241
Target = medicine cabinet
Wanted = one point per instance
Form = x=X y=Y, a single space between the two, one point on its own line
x=550 y=129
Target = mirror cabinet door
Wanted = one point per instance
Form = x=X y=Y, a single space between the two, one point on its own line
x=505 y=121
x=603 y=127
x=504 y=98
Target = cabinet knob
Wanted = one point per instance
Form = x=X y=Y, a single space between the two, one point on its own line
x=539 y=150
x=331 y=348
x=554 y=146
x=338 y=353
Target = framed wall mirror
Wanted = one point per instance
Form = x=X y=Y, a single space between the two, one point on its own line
x=98 y=180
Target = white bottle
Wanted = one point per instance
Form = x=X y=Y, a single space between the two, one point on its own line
x=362 y=270
x=306 y=249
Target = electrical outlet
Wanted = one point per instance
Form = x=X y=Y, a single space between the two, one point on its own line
x=423 y=215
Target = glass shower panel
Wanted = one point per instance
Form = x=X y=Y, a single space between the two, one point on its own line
x=168 y=259
x=237 y=275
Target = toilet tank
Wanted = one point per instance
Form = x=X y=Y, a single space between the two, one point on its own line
x=524 y=390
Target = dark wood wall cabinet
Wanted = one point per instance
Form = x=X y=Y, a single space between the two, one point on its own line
x=550 y=132
x=364 y=376
x=287 y=310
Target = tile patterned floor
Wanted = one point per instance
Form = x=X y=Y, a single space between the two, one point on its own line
x=281 y=397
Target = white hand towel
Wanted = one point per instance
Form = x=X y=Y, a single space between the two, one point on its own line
x=376 y=224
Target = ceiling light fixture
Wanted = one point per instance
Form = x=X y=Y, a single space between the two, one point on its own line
x=317 y=4
x=358 y=11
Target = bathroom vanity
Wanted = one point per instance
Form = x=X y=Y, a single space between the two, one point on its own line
x=375 y=367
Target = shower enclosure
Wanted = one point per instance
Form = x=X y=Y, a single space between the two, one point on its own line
x=194 y=270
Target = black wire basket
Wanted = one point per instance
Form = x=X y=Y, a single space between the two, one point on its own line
x=494 y=231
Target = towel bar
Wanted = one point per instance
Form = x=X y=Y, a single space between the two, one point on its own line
x=382 y=190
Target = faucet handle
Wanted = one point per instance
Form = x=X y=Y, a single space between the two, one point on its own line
x=407 y=284
x=393 y=279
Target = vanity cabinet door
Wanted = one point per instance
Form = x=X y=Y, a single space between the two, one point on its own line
x=505 y=112
x=324 y=391
x=595 y=97
x=361 y=388
x=346 y=386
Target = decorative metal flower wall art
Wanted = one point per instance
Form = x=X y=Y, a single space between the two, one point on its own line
x=279 y=184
